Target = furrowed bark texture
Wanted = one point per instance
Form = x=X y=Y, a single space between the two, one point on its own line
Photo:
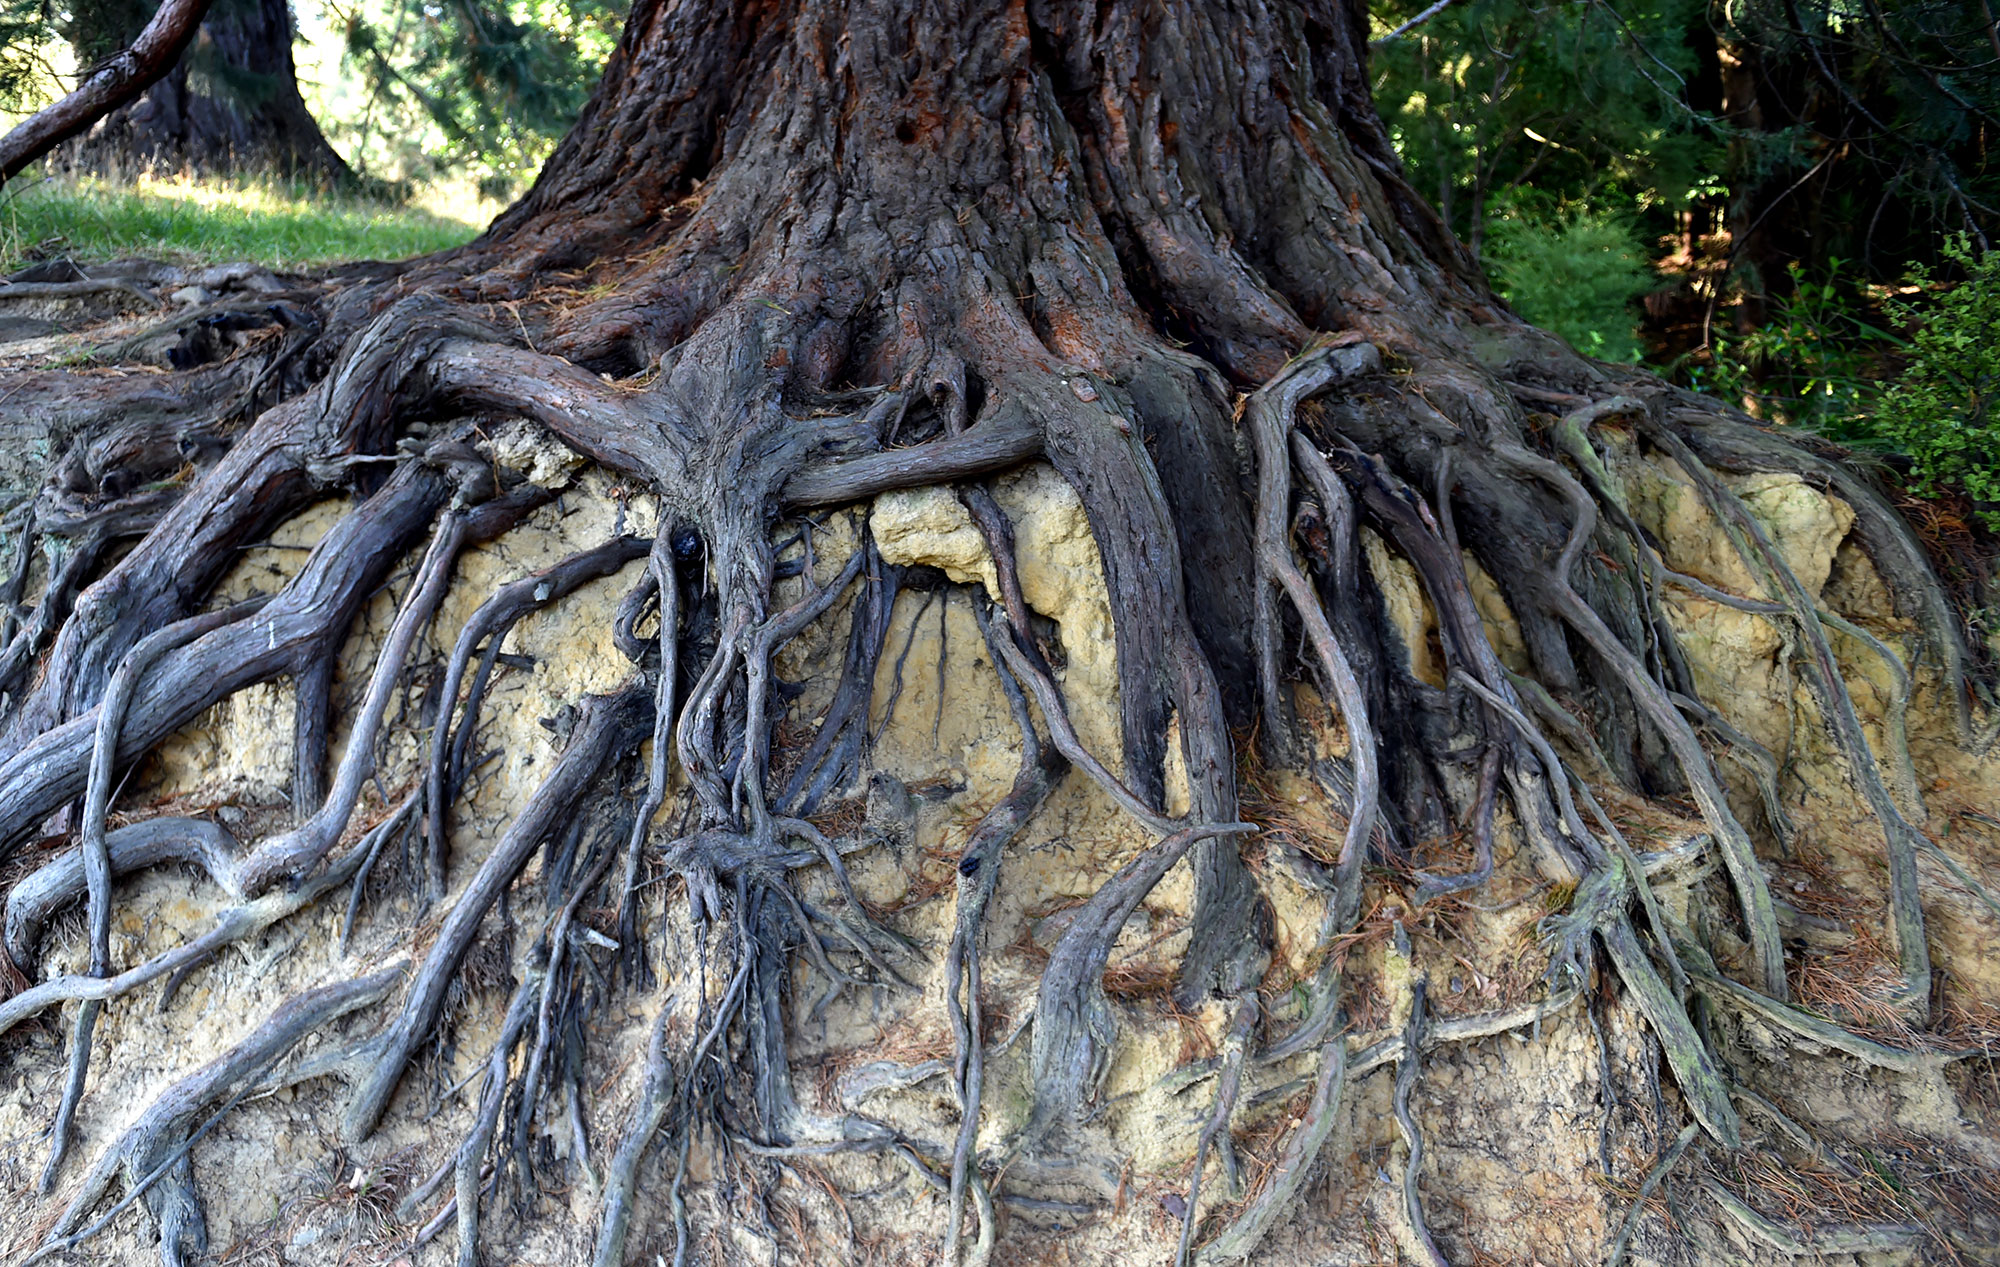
x=799 y=255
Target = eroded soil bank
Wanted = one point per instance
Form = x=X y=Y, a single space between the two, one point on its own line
x=1541 y=1114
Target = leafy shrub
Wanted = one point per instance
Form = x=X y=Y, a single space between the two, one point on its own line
x=1817 y=361
x=1581 y=275
x=1940 y=409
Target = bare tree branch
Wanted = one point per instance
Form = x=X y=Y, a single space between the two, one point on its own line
x=1412 y=24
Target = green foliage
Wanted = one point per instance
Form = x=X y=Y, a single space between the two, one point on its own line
x=1839 y=127
x=1580 y=275
x=98 y=28
x=1583 y=103
x=430 y=88
x=271 y=223
x=1793 y=159
x=25 y=74
x=409 y=91
x=1940 y=410
x=1823 y=361
x=1891 y=102
x=1816 y=362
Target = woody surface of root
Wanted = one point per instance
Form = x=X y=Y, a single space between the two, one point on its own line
x=916 y=254
x=153 y=1153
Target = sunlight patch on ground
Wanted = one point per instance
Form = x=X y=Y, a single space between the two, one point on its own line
x=271 y=222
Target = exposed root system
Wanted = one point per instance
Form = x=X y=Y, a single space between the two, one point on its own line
x=1321 y=480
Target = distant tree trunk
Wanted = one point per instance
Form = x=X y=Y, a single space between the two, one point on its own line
x=1756 y=258
x=231 y=104
x=114 y=80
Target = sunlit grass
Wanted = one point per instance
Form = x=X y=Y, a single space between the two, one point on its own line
x=211 y=220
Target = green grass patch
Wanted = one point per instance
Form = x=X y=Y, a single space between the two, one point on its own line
x=215 y=221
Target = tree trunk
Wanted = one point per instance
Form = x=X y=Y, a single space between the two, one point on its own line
x=232 y=104
x=806 y=255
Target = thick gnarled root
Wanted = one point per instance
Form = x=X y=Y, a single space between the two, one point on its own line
x=700 y=834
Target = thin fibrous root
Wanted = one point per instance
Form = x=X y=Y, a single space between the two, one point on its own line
x=465 y=1162
x=1062 y=734
x=1432 y=887
x=490 y=624
x=1074 y=1031
x=1462 y=1029
x=292 y=854
x=369 y=848
x=291 y=631
x=1735 y=443
x=1413 y=1138
x=1900 y=836
x=656 y=1097
x=838 y=745
x=37 y=897
x=1227 y=1086
x=611 y=725
x=1269 y=414
x=1600 y=907
x=978 y=878
x=231 y=926
x=1753 y=891
x=136 y=517
x=1240 y=1239
x=1706 y=979
x=1653 y=1178
x=96 y=853
x=661 y=575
